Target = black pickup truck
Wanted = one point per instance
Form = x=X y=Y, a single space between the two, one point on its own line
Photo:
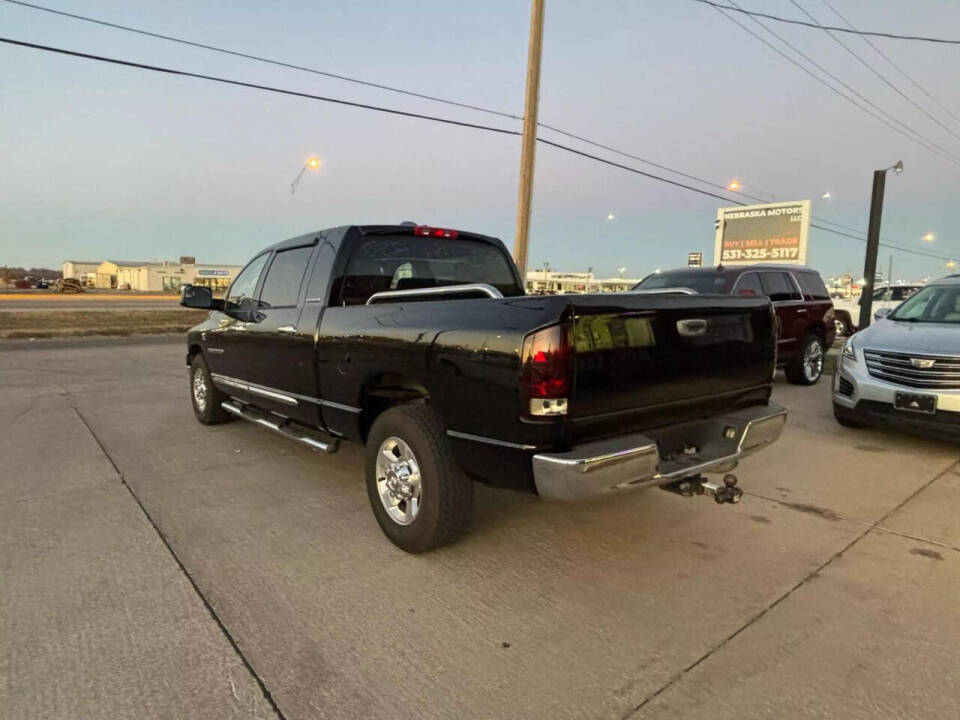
x=420 y=343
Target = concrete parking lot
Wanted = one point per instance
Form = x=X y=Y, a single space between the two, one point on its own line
x=154 y=568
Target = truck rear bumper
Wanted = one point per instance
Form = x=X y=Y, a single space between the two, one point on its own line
x=657 y=457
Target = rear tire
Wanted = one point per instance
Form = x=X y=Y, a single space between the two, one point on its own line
x=204 y=395
x=846 y=417
x=807 y=367
x=420 y=496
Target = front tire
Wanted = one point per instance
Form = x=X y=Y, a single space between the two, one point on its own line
x=842 y=326
x=419 y=495
x=807 y=367
x=204 y=395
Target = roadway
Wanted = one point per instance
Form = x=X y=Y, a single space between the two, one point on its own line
x=51 y=301
x=155 y=568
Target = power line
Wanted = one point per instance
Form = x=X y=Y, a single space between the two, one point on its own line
x=852 y=31
x=872 y=104
x=248 y=56
x=255 y=86
x=368 y=83
x=883 y=244
x=918 y=140
x=876 y=72
x=895 y=66
x=393 y=111
x=338 y=101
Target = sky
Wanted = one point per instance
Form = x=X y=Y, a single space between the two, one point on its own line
x=99 y=161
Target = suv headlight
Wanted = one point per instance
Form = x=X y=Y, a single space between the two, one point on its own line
x=849 y=352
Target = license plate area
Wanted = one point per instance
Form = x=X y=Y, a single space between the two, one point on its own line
x=914 y=402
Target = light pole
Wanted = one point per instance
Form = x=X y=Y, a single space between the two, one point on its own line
x=873 y=242
x=313 y=163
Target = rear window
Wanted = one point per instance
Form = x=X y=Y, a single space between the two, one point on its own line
x=812 y=286
x=404 y=262
x=704 y=283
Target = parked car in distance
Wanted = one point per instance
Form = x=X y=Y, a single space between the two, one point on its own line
x=905 y=368
x=420 y=343
x=847 y=310
x=799 y=297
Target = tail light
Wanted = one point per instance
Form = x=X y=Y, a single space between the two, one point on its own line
x=424 y=231
x=546 y=369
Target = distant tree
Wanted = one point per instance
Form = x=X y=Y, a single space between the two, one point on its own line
x=18 y=273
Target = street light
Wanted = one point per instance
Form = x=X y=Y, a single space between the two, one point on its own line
x=873 y=240
x=826 y=195
x=611 y=216
x=313 y=163
x=735 y=185
x=929 y=237
x=951 y=264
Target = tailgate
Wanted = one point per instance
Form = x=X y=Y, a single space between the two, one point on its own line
x=635 y=352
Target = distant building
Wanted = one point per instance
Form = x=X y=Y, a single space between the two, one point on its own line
x=552 y=282
x=83 y=270
x=166 y=276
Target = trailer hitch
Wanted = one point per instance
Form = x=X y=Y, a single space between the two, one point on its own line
x=728 y=492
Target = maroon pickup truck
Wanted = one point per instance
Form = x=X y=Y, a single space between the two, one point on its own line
x=802 y=303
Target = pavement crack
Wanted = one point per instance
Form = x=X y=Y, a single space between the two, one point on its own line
x=268 y=696
x=868 y=527
x=918 y=538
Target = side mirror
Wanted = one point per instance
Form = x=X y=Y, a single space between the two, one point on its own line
x=197 y=296
x=881 y=313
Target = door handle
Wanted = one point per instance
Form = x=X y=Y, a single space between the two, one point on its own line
x=801 y=311
x=288 y=329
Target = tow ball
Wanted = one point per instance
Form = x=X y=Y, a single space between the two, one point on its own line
x=728 y=492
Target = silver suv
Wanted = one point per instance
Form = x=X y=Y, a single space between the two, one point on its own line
x=905 y=368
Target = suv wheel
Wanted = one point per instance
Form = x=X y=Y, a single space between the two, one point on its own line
x=842 y=327
x=204 y=396
x=419 y=495
x=807 y=366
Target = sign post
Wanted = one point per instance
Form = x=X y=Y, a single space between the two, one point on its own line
x=774 y=232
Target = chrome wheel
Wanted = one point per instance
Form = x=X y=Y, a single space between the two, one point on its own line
x=812 y=361
x=840 y=326
x=200 y=393
x=398 y=480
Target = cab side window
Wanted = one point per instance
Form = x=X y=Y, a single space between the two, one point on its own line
x=282 y=285
x=779 y=287
x=246 y=283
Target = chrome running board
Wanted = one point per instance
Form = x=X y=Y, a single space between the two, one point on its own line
x=313 y=439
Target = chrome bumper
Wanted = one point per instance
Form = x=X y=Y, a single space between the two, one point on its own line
x=636 y=461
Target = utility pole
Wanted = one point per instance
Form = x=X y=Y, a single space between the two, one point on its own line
x=529 y=143
x=873 y=243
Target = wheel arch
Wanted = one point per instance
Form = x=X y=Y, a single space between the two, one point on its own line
x=384 y=390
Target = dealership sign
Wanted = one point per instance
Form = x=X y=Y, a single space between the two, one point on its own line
x=695 y=259
x=220 y=273
x=752 y=234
